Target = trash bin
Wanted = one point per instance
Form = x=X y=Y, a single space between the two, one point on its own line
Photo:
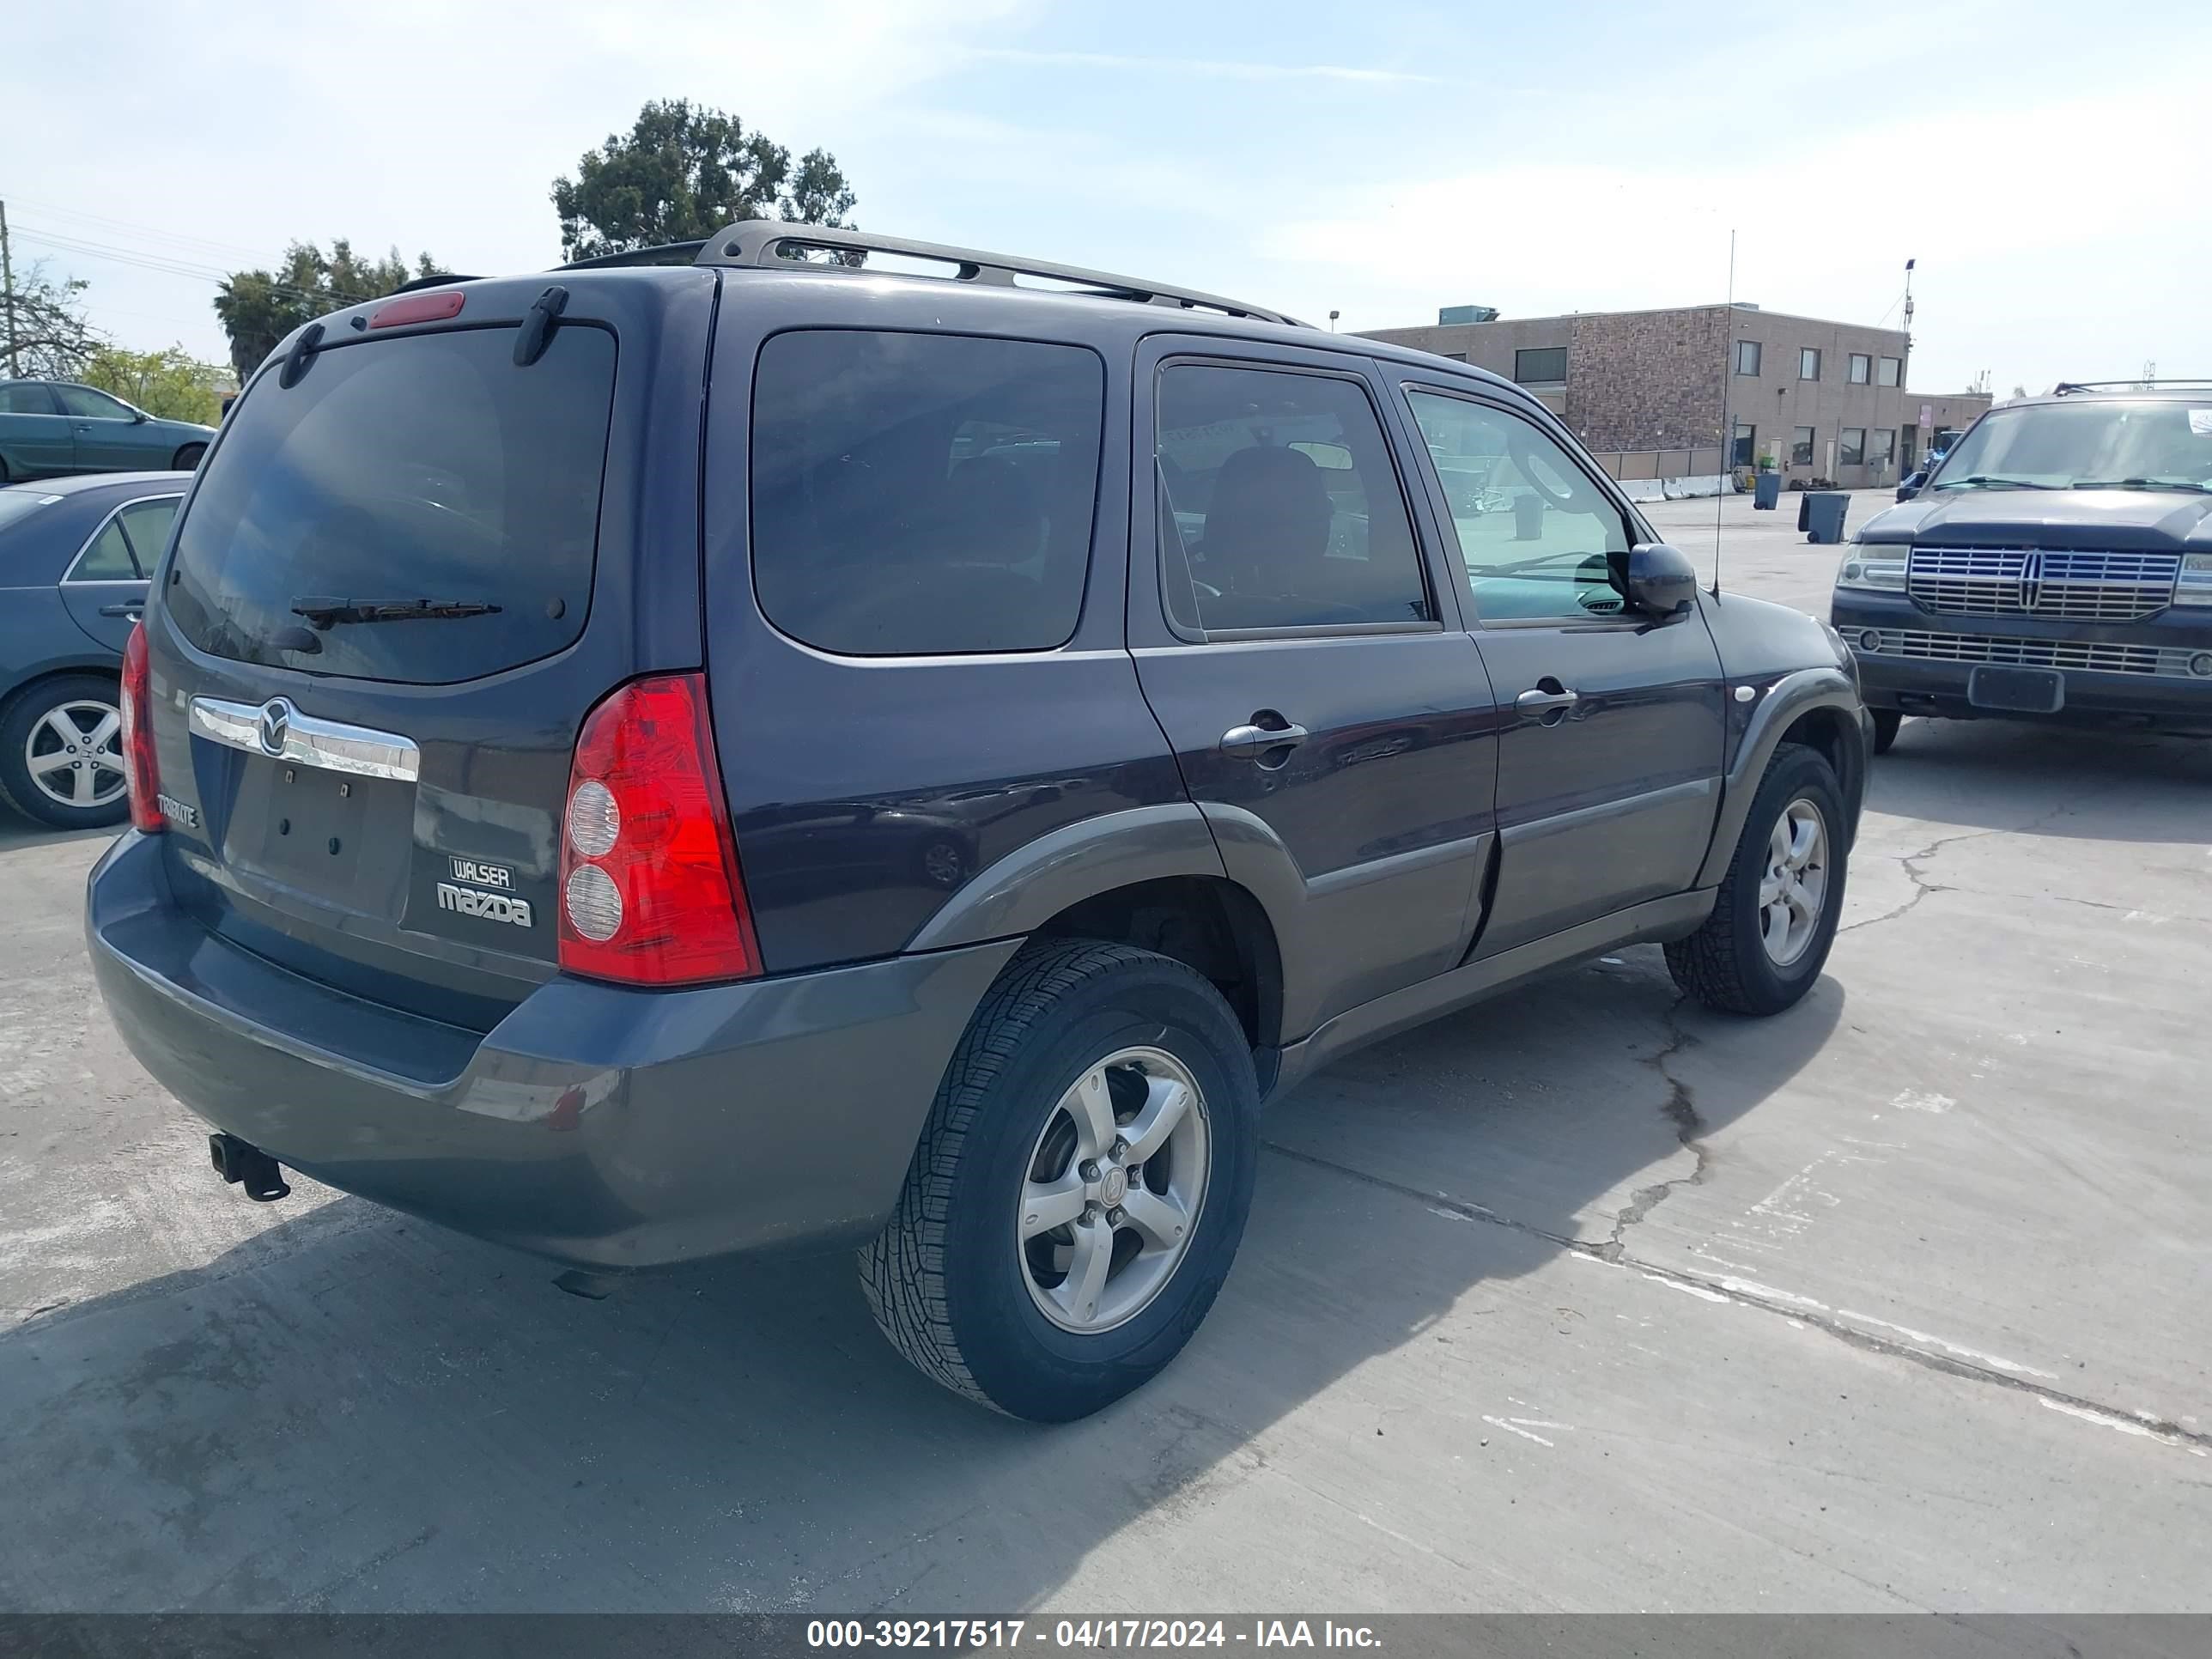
x=1528 y=517
x=1766 y=492
x=1820 y=514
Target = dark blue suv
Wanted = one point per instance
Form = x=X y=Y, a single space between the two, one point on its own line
x=648 y=763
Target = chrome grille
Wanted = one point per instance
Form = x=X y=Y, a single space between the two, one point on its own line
x=1993 y=581
x=2086 y=655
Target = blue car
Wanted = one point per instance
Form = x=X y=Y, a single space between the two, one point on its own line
x=74 y=555
x=55 y=429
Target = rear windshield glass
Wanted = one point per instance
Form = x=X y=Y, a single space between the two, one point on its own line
x=917 y=493
x=428 y=467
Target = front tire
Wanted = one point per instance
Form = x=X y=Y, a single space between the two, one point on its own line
x=1774 y=918
x=1081 y=1187
x=61 y=753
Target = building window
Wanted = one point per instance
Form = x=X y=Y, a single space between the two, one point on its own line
x=1745 y=436
x=1457 y=356
x=1801 y=447
x=1862 y=369
x=1883 y=446
x=1747 y=356
x=1852 y=451
x=1809 y=363
x=1892 y=372
x=1543 y=366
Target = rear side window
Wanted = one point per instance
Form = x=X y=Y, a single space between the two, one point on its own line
x=424 y=467
x=923 y=494
x=24 y=398
x=108 y=559
x=1281 y=505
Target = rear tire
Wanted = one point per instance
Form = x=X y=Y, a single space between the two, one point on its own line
x=964 y=1279
x=1757 y=953
x=42 y=776
x=187 y=460
x=1885 y=722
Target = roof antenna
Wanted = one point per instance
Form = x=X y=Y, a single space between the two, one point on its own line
x=1728 y=433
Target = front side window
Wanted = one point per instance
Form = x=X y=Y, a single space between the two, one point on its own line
x=919 y=495
x=1747 y=356
x=1862 y=369
x=1890 y=371
x=1809 y=363
x=1801 y=447
x=1851 y=450
x=1545 y=366
x=1881 y=445
x=86 y=405
x=1281 y=506
x=1536 y=532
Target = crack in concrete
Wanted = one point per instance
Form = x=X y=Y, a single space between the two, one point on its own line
x=1923 y=887
x=2163 y=1430
x=1680 y=1108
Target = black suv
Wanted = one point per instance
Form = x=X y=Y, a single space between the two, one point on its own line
x=2057 y=566
x=646 y=763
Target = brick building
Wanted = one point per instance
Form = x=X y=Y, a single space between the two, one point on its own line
x=1643 y=389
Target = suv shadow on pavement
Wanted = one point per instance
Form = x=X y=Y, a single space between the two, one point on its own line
x=357 y=1411
x=1981 y=775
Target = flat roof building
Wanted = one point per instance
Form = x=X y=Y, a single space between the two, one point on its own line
x=1643 y=389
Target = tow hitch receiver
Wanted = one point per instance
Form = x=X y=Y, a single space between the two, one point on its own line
x=242 y=1162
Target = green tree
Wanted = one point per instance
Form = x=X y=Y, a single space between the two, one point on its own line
x=171 y=383
x=44 y=327
x=682 y=173
x=257 y=309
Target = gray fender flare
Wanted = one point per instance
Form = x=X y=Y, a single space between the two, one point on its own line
x=1020 y=893
x=1786 y=700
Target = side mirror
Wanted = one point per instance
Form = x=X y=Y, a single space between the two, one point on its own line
x=1908 y=489
x=139 y=417
x=1657 y=579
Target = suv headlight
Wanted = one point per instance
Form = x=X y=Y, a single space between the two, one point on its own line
x=1876 y=570
x=2194 y=586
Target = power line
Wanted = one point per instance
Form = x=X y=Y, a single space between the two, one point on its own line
x=155 y=232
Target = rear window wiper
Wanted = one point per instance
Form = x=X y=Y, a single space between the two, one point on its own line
x=322 y=612
x=1993 y=480
x=2140 y=484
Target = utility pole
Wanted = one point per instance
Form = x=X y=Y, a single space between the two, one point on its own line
x=7 y=289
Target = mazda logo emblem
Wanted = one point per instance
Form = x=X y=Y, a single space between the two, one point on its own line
x=274 y=722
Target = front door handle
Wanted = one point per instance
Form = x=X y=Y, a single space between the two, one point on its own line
x=1548 y=700
x=1251 y=742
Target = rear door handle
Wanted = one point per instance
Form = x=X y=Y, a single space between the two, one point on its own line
x=1250 y=742
x=122 y=610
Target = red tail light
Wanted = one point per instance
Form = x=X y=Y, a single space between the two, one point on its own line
x=143 y=777
x=650 y=893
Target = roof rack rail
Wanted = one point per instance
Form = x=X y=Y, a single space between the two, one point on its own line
x=663 y=253
x=763 y=242
x=2065 y=386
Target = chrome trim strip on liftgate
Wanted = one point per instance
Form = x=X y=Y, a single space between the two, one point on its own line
x=280 y=732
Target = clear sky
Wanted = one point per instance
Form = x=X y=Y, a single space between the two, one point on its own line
x=2049 y=166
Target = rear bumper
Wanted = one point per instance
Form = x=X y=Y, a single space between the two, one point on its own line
x=2162 y=701
x=605 y=1128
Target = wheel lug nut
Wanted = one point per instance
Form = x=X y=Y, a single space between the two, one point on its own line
x=1117 y=1216
x=1120 y=1147
x=1089 y=1171
x=1090 y=1212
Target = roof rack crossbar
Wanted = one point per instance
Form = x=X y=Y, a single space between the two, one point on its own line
x=664 y=253
x=2065 y=386
x=762 y=242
